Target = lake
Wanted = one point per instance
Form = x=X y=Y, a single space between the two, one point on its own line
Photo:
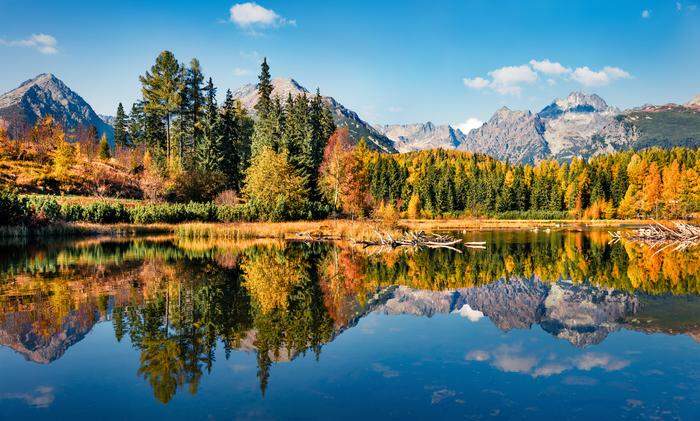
x=537 y=325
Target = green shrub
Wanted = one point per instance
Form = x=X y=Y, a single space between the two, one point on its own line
x=71 y=212
x=45 y=208
x=533 y=214
x=105 y=213
x=233 y=213
x=14 y=210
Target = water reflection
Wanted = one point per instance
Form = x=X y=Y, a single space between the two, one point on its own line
x=175 y=302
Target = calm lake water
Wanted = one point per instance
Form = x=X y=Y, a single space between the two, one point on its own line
x=538 y=325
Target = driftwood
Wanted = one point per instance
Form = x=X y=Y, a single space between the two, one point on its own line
x=679 y=237
x=419 y=239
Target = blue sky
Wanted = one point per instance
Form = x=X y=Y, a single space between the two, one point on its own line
x=392 y=62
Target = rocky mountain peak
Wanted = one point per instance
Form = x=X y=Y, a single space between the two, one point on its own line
x=46 y=95
x=579 y=99
x=576 y=102
x=413 y=137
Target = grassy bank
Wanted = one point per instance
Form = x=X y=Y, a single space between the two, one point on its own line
x=336 y=228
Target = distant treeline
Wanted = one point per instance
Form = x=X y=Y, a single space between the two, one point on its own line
x=650 y=183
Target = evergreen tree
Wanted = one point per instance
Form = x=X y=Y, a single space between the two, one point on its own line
x=104 y=150
x=162 y=87
x=269 y=130
x=230 y=165
x=211 y=111
x=137 y=124
x=244 y=136
x=120 y=127
x=209 y=156
x=194 y=98
x=264 y=90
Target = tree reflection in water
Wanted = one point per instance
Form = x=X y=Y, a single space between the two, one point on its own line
x=176 y=301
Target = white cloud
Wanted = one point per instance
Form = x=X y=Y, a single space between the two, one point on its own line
x=507 y=80
x=250 y=15
x=510 y=80
x=587 y=77
x=550 y=369
x=469 y=313
x=476 y=83
x=477 y=355
x=240 y=72
x=395 y=109
x=548 y=67
x=616 y=73
x=646 y=14
x=43 y=43
x=591 y=360
x=466 y=127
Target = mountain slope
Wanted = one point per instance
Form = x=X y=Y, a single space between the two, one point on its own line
x=583 y=125
x=513 y=135
x=413 y=137
x=46 y=95
x=664 y=125
x=358 y=128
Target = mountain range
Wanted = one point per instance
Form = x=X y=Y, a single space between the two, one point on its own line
x=46 y=95
x=343 y=117
x=580 y=125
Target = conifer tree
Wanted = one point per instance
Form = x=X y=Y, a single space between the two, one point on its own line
x=161 y=88
x=137 y=124
x=244 y=136
x=104 y=150
x=230 y=164
x=120 y=127
x=264 y=90
x=209 y=157
x=194 y=100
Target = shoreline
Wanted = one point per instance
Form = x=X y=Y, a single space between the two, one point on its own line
x=344 y=229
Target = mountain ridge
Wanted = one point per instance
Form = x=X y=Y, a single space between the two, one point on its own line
x=343 y=117
x=44 y=95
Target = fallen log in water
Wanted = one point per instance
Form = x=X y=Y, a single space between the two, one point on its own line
x=420 y=239
x=680 y=237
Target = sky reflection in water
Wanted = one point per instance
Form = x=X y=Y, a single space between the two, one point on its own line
x=553 y=325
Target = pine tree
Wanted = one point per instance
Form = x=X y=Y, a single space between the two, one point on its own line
x=211 y=111
x=137 y=124
x=264 y=90
x=194 y=98
x=209 y=152
x=244 y=136
x=162 y=87
x=105 y=152
x=230 y=164
x=120 y=127
x=269 y=130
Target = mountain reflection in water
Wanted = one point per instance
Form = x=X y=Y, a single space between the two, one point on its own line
x=175 y=301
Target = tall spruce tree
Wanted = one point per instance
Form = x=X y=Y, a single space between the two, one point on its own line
x=264 y=90
x=267 y=125
x=120 y=127
x=231 y=164
x=137 y=124
x=161 y=89
x=209 y=151
x=194 y=98
x=244 y=136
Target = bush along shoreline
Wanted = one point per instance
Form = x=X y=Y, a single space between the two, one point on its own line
x=23 y=216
